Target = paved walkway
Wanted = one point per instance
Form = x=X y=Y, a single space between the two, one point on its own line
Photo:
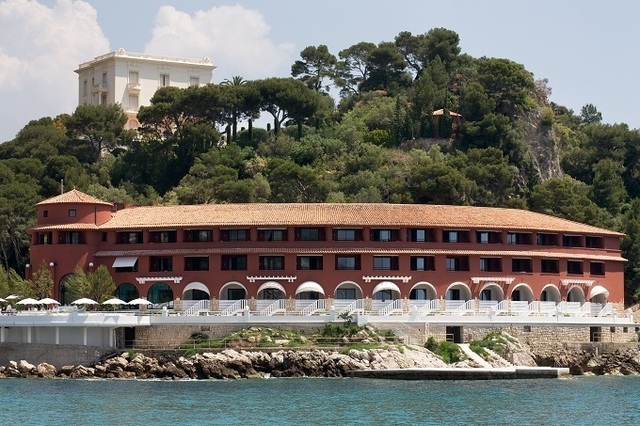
x=474 y=356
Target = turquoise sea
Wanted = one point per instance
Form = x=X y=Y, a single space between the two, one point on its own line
x=578 y=401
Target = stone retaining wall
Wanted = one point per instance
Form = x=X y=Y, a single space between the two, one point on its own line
x=57 y=355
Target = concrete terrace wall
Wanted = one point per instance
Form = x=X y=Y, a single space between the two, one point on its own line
x=57 y=355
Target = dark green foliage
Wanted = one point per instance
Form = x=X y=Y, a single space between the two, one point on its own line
x=449 y=352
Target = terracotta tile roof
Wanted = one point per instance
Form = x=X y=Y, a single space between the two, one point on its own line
x=73 y=196
x=63 y=227
x=376 y=251
x=344 y=214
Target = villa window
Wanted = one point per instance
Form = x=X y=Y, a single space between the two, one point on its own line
x=72 y=237
x=160 y=264
x=385 y=235
x=385 y=263
x=198 y=235
x=165 y=80
x=310 y=234
x=234 y=262
x=490 y=264
x=594 y=242
x=347 y=235
x=421 y=235
x=163 y=236
x=521 y=265
x=44 y=238
x=451 y=236
x=309 y=263
x=234 y=235
x=596 y=268
x=271 y=263
x=423 y=263
x=272 y=235
x=572 y=241
x=196 y=263
x=194 y=81
x=348 y=263
x=132 y=237
x=549 y=266
x=457 y=263
x=488 y=237
x=575 y=267
x=518 y=238
x=543 y=239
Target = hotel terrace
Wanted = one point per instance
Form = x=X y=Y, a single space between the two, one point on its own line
x=219 y=253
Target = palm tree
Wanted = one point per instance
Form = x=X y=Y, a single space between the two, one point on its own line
x=236 y=82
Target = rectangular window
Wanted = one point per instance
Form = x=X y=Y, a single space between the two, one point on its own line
x=309 y=263
x=543 y=239
x=196 y=263
x=521 y=265
x=385 y=235
x=488 y=237
x=160 y=264
x=594 y=242
x=455 y=236
x=72 y=213
x=572 y=241
x=421 y=235
x=346 y=294
x=45 y=213
x=575 y=267
x=104 y=78
x=132 y=237
x=490 y=264
x=164 y=80
x=84 y=88
x=347 y=235
x=133 y=77
x=457 y=263
x=105 y=237
x=271 y=263
x=310 y=234
x=423 y=263
x=44 y=238
x=133 y=102
x=163 y=236
x=198 y=236
x=549 y=266
x=231 y=235
x=194 y=81
x=272 y=235
x=596 y=268
x=348 y=263
x=385 y=263
x=234 y=262
x=71 y=237
x=518 y=238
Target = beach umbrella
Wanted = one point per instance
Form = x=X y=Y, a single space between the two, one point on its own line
x=114 y=301
x=29 y=301
x=139 y=301
x=2 y=300
x=49 y=301
x=84 y=301
x=13 y=296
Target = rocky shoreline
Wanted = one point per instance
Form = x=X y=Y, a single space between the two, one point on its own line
x=239 y=364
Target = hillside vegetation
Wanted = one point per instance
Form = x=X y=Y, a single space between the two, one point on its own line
x=497 y=141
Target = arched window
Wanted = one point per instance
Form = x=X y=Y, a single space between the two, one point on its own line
x=127 y=292
x=160 y=293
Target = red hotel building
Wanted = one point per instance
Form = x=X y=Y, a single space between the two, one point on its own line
x=316 y=251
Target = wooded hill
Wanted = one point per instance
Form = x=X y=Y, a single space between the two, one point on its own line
x=416 y=121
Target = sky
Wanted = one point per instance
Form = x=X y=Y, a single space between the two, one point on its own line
x=583 y=47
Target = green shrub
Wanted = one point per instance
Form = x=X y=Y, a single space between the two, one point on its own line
x=449 y=352
x=199 y=336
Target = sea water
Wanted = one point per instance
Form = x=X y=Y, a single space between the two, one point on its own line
x=577 y=401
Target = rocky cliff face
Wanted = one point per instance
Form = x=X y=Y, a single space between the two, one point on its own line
x=543 y=144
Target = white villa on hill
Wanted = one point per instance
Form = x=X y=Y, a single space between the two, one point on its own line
x=131 y=79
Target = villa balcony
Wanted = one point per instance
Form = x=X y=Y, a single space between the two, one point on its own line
x=100 y=88
x=134 y=88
